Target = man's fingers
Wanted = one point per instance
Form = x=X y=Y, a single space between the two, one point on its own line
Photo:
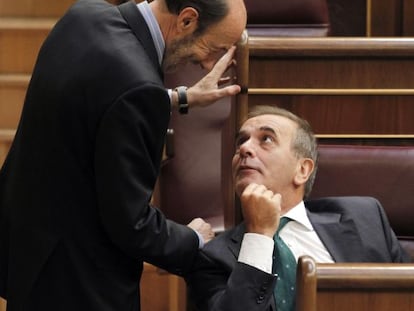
x=249 y=189
x=223 y=63
x=228 y=91
x=263 y=191
x=255 y=189
x=223 y=80
x=277 y=198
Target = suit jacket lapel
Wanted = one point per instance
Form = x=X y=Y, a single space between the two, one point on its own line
x=339 y=235
x=236 y=239
x=234 y=245
x=140 y=28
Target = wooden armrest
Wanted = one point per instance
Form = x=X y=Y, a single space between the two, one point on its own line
x=356 y=286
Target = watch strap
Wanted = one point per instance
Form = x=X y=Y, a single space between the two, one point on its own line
x=182 y=99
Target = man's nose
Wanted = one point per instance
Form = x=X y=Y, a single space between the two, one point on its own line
x=247 y=149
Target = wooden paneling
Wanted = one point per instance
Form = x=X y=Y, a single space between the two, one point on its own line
x=20 y=41
x=408 y=18
x=344 y=300
x=354 y=286
x=349 y=114
x=12 y=93
x=342 y=86
x=371 y=18
x=348 y=18
x=161 y=291
x=6 y=138
x=386 y=18
x=34 y=8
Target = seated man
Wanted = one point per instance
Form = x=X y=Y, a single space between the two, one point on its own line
x=273 y=171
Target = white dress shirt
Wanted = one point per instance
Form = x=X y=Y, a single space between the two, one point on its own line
x=156 y=33
x=257 y=250
x=154 y=28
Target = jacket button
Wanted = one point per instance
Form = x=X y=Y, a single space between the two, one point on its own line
x=260 y=299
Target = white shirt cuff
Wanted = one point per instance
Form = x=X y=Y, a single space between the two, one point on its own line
x=200 y=239
x=257 y=250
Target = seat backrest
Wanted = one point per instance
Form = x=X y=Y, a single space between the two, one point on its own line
x=287 y=18
x=353 y=286
x=383 y=172
x=348 y=18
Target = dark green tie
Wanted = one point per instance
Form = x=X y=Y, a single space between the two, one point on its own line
x=284 y=265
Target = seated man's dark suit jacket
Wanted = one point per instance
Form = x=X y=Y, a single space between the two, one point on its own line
x=353 y=229
x=76 y=222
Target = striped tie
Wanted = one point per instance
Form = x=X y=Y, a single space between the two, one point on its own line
x=284 y=265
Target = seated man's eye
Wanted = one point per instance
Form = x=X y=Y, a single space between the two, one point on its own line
x=240 y=141
x=267 y=138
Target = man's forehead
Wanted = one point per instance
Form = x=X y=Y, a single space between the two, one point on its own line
x=267 y=121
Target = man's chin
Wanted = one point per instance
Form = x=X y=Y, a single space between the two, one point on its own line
x=242 y=184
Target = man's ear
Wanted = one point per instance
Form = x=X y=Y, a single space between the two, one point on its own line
x=187 y=21
x=304 y=170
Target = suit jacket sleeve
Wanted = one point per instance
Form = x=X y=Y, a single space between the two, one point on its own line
x=128 y=153
x=219 y=282
x=397 y=253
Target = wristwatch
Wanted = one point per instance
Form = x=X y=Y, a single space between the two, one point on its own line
x=182 y=99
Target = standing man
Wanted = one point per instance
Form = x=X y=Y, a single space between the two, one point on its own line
x=76 y=224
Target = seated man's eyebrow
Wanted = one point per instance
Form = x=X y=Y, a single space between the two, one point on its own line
x=240 y=134
x=267 y=129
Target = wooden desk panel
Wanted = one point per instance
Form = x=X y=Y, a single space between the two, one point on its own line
x=330 y=114
x=354 y=286
x=337 y=73
x=161 y=291
x=12 y=93
x=408 y=13
x=323 y=63
x=345 y=300
x=342 y=86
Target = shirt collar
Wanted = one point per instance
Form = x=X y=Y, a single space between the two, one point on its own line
x=154 y=28
x=298 y=214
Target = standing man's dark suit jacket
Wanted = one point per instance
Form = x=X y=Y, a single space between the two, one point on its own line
x=353 y=229
x=75 y=219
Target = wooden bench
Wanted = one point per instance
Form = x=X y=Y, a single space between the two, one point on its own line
x=354 y=286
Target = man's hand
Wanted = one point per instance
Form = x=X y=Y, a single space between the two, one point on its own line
x=207 y=91
x=203 y=228
x=261 y=209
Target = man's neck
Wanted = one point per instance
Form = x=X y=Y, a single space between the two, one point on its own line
x=165 y=19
